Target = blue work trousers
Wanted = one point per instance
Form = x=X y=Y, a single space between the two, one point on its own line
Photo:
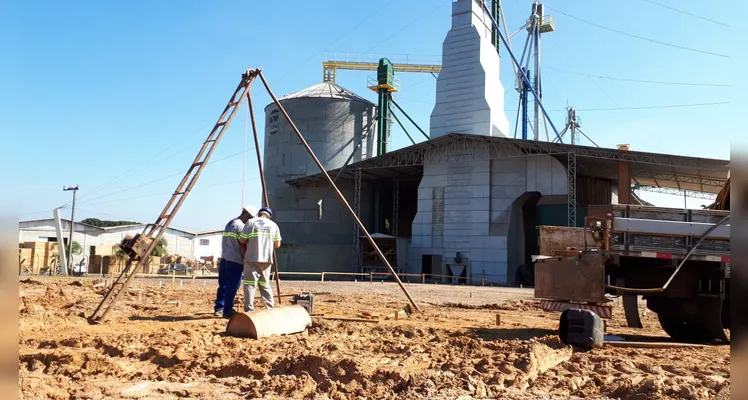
x=229 y=281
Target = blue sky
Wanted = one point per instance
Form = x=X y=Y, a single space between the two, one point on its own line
x=117 y=97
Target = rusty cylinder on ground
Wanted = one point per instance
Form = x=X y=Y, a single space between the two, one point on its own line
x=275 y=321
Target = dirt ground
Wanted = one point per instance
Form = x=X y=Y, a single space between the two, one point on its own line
x=163 y=343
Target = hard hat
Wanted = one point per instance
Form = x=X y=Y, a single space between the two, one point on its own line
x=252 y=210
x=267 y=210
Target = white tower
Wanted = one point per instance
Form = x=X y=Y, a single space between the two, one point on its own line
x=469 y=94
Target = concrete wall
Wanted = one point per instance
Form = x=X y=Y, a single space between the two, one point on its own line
x=213 y=248
x=469 y=94
x=476 y=214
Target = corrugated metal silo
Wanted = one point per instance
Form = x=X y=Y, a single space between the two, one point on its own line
x=332 y=120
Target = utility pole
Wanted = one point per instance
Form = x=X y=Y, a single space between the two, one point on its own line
x=72 y=223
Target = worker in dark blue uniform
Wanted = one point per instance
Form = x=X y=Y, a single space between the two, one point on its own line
x=231 y=269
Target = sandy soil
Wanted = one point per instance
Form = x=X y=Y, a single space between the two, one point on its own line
x=164 y=343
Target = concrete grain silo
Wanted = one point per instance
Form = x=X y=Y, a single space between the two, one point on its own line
x=332 y=120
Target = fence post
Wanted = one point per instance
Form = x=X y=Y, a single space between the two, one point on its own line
x=423 y=278
x=371 y=277
x=323 y=277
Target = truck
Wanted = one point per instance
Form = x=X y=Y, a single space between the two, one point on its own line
x=677 y=260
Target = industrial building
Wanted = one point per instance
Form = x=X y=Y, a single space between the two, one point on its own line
x=192 y=245
x=464 y=203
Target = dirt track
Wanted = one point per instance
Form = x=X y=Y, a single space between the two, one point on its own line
x=163 y=343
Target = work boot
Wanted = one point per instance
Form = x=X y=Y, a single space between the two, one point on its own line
x=228 y=314
x=218 y=313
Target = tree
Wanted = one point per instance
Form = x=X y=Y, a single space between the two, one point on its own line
x=76 y=248
x=160 y=249
x=106 y=223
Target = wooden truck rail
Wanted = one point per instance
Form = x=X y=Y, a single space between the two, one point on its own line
x=654 y=232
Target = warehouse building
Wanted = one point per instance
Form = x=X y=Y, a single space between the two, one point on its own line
x=192 y=245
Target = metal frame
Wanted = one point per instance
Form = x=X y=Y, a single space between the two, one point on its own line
x=143 y=244
x=677 y=192
x=571 y=174
x=465 y=147
x=395 y=206
x=330 y=68
x=356 y=260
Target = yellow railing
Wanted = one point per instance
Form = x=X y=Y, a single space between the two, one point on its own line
x=329 y=68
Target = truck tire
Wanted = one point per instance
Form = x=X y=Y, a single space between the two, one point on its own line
x=683 y=331
x=694 y=320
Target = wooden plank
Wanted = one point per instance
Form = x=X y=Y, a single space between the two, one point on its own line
x=553 y=239
x=577 y=279
x=103 y=250
x=653 y=345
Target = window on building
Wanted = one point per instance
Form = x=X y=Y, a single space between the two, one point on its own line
x=204 y=242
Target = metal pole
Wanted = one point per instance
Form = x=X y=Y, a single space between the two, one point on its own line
x=244 y=155
x=410 y=119
x=536 y=80
x=523 y=75
x=573 y=125
x=523 y=100
x=265 y=198
x=340 y=195
x=72 y=224
x=402 y=127
x=61 y=244
x=588 y=138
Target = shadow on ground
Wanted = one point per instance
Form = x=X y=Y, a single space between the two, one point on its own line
x=511 y=333
x=173 y=318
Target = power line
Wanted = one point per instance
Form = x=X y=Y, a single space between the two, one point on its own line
x=569 y=56
x=341 y=37
x=686 y=13
x=645 y=107
x=639 y=37
x=657 y=106
x=409 y=25
x=341 y=118
x=120 y=217
x=613 y=78
x=146 y=163
x=164 y=193
x=163 y=178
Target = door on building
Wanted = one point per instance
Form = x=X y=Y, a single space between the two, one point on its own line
x=426 y=267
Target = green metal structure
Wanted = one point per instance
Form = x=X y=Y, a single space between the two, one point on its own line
x=496 y=14
x=384 y=85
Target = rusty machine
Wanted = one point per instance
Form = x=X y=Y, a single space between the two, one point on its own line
x=677 y=260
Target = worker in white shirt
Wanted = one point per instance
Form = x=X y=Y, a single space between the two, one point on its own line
x=260 y=236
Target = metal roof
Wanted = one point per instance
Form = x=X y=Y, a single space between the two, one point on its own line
x=647 y=169
x=326 y=90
